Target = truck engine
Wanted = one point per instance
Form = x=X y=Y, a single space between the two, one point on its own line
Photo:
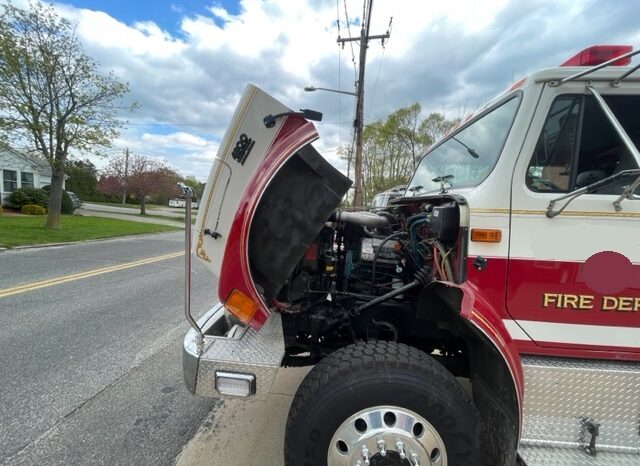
x=362 y=276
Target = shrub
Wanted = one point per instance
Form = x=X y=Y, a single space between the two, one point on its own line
x=1 y=211
x=24 y=196
x=33 y=209
x=67 y=204
x=66 y=207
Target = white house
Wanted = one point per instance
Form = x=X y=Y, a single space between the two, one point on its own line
x=18 y=170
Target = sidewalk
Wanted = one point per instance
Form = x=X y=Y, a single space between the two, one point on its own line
x=131 y=217
x=246 y=432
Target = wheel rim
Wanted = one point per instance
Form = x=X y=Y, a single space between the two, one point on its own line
x=386 y=436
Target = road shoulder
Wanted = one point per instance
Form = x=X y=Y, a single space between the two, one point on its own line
x=246 y=432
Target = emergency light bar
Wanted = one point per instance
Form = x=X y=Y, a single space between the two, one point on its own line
x=597 y=54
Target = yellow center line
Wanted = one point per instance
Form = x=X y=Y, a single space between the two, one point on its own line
x=80 y=275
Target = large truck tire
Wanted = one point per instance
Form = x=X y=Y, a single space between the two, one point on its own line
x=381 y=403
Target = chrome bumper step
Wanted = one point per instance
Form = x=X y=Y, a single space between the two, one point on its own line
x=232 y=350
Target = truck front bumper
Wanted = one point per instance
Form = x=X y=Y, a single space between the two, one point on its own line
x=232 y=356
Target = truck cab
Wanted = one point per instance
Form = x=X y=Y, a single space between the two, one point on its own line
x=488 y=315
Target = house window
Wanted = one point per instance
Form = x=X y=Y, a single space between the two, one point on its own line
x=26 y=180
x=10 y=180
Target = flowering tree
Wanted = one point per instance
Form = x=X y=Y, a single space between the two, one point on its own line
x=145 y=177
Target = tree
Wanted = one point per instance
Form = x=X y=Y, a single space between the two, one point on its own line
x=52 y=94
x=146 y=177
x=83 y=178
x=393 y=147
x=198 y=186
x=435 y=126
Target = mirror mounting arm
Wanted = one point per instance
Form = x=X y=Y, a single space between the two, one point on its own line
x=627 y=194
x=270 y=120
x=593 y=187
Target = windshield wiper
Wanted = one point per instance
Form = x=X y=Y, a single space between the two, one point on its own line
x=593 y=187
x=415 y=189
x=443 y=180
x=471 y=151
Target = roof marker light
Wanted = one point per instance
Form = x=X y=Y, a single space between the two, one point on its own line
x=598 y=54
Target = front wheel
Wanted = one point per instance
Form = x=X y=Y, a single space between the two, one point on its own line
x=381 y=404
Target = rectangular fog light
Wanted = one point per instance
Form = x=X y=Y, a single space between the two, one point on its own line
x=235 y=384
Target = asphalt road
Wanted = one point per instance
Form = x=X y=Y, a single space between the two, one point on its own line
x=90 y=366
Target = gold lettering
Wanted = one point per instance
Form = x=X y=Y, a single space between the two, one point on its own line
x=586 y=302
x=570 y=301
x=636 y=306
x=548 y=299
x=625 y=304
x=609 y=303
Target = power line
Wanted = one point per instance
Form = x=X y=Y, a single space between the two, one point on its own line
x=375 y=84
x=384 y=49
x=353 y=55
x=178 y=124
x=339 y=74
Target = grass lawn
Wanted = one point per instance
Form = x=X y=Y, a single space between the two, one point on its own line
x=19 y=230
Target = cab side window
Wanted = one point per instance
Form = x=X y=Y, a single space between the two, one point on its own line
x=579 y=146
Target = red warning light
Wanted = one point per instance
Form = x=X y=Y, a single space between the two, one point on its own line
x=598 y=54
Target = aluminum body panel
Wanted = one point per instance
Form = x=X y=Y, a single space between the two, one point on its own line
x=560 y=394
x=544 y=456
x=248 y=352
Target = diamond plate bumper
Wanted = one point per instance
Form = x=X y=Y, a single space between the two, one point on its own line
x=232 y=348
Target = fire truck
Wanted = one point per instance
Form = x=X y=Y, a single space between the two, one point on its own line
x=489 y=315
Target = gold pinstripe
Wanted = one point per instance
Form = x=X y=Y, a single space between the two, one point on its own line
x=225 y=154
x=566 y=213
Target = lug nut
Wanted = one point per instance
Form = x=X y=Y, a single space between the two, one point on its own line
x=382 y=447
x=365 y=455
x=400 y=448
x=415 y=460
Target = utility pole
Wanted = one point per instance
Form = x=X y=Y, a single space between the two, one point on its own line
x=358 y=122
x=126 y=176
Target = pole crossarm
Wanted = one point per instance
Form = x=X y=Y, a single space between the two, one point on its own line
x=342 y=40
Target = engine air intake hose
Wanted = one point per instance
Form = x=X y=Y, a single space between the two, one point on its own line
x=365 y=219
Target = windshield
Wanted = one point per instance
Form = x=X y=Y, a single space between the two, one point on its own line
x=467 y=157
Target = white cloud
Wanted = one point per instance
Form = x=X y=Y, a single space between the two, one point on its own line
x=444 y=54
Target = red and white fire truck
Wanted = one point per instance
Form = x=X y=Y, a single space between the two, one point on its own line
x=490 y=315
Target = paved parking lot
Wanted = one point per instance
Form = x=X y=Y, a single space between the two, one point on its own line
x=246 y=432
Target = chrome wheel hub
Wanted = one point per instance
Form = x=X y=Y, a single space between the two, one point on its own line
x=386 y=436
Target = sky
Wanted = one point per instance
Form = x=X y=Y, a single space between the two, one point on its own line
x=187 y=62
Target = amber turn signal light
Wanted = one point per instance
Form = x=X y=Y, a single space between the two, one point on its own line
x=486 y=235
x=241 y=306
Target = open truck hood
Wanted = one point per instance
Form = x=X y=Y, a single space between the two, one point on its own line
x=267 y=197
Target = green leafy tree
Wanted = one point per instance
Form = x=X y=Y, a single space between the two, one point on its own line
x=198 y=186
x=83 y=178
x=435 y=126
x=52 y=94
x=393 y=147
